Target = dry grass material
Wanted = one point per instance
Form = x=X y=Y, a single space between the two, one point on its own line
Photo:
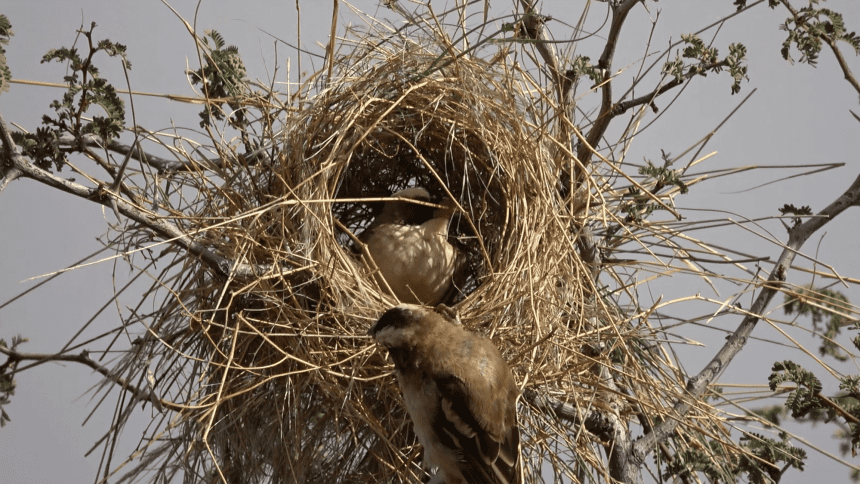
x=274 y=379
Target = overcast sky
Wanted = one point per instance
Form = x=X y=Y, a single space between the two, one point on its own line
x=798 y=116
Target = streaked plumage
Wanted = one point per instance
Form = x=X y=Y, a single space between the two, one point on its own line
x=409 y=244
x=460 y=395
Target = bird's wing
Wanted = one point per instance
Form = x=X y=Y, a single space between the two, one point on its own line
x=459 y=278
x=460 y=394
x=478 y=417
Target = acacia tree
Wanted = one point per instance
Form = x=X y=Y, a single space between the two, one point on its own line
x=232 y=333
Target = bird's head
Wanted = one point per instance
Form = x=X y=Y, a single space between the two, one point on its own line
x=403 y=325
x=414 y=193
x=397 y=325
x=448 y=209
x=407 y=213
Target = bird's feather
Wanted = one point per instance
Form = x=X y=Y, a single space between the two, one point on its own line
x=409 y=245
x=459 y=392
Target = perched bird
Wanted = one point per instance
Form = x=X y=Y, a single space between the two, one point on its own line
x=458 y=391
x=409 y=244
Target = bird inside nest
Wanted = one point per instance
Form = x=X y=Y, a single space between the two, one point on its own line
x=408 y=242
x=460 y=394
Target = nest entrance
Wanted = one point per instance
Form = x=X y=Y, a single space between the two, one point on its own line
x=455 y=132
x=374 y=174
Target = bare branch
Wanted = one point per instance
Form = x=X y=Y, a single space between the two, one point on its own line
x=843 y=64
x=11 y=175
x=533 y=23
x=84 y=359
x=10 y=150
x=163 y=165
x=619 y=14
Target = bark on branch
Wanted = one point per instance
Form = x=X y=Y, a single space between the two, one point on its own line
x=619 y=14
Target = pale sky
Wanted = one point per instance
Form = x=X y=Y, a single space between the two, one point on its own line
x=799 y=115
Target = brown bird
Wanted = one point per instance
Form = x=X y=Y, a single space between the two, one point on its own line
x=458 y=391
x=409 y=244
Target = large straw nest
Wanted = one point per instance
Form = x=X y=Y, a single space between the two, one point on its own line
x=287 y=386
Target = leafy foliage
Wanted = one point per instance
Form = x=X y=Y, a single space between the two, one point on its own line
x=850 y=402
x=639 y=208
x=811 y=27
x=662 y=176
x=221 y=77
x=807 y=404
x=772 y=414
x=5 y=34
x=708 y=61
x=85 y=90
x=762 y=463
x=759 y=460
x=582 y=67
x=222 y=80
x=737 y=69
x=742 y=4
x=690 y=460
x=41 y=147
x=820 y=304
x=802 y=211
x=804 y=397
x=807 y=30
x=7 y=382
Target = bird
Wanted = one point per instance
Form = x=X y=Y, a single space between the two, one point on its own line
x=459 y=392
x=408 y=242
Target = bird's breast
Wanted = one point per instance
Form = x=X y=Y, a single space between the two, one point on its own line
x=417 y=263
x=421 y=398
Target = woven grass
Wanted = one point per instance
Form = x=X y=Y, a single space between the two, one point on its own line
x=274 y=379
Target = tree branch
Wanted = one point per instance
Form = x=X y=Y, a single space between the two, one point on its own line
x=11 y=175
x=846 y=71
x=622 y=107
x=619 y=14
x=606 y=426
x=84 y=359
x=10 y=150
x=163 y=165
x=533 y=23
x=838 y=409
x=697 y=385
x=102 y=195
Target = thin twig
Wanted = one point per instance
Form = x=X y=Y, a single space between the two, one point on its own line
x=84 y=359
